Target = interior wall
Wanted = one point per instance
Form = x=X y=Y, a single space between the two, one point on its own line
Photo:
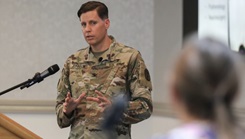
x=167 y=43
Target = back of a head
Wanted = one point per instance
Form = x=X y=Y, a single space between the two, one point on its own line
x=206 y=79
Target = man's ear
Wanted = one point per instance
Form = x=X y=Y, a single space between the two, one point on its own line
x=107 y=23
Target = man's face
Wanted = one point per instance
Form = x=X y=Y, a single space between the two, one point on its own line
x=94 y=28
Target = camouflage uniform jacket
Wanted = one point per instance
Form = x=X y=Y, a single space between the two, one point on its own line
x=120 y=69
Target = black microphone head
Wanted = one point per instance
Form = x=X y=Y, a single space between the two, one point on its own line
x=53 y=69
x=114 y=113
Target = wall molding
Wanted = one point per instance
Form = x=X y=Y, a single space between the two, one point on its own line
x=48 y=107
x=27 y=106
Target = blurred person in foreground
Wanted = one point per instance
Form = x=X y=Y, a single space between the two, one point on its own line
x=203 y=85
x=93 y=76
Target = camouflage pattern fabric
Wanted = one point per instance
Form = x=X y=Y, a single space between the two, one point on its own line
x=120 y=70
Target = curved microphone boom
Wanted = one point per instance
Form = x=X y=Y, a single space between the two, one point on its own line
x=38 y=77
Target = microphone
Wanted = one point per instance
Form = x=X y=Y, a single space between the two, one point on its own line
x=115 y=112
x=50 y=71
x=38 y=77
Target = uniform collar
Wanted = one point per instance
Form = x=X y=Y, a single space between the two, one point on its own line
x=107 y=56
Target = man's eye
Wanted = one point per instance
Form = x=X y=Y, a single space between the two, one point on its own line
x=83 y=25
x=93 y=23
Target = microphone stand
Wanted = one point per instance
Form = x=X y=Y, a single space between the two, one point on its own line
x=26 y=84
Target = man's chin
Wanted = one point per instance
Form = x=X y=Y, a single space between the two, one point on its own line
x=90 y=42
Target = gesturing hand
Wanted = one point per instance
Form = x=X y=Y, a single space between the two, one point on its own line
x=100 y=99
x=71 y=103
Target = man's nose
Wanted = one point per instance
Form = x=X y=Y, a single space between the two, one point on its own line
x=87 y=28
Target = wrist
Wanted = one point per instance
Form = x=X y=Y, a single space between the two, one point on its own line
x=68 y=114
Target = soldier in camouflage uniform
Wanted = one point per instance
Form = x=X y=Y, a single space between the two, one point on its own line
x=93 y=76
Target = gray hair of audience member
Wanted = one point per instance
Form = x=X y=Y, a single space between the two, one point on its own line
x=206 y=80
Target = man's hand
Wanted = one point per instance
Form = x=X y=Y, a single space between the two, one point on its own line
x=100 y=99
x=71 y=103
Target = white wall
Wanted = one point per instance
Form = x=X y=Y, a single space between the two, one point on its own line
x=167 y=43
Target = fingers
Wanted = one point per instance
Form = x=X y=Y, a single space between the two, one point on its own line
x=71 y=103
x=99 y=93
x=103 y=104
x=68 y=97
x=99 y=99
x=65 y=105
x=67 y=101
x=95 y=99
x=103 y=99
x=81 y=97
x=65 y=110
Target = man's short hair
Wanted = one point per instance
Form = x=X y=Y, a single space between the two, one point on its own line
x=100 y=7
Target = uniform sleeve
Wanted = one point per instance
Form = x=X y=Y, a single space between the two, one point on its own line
x=63 y=87
x=139 y=87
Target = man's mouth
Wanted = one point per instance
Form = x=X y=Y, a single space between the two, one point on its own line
x=89 y=37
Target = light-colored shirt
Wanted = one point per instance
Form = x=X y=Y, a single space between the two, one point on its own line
x=193 y=130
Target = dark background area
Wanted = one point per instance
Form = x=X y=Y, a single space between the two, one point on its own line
x=190 y=17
